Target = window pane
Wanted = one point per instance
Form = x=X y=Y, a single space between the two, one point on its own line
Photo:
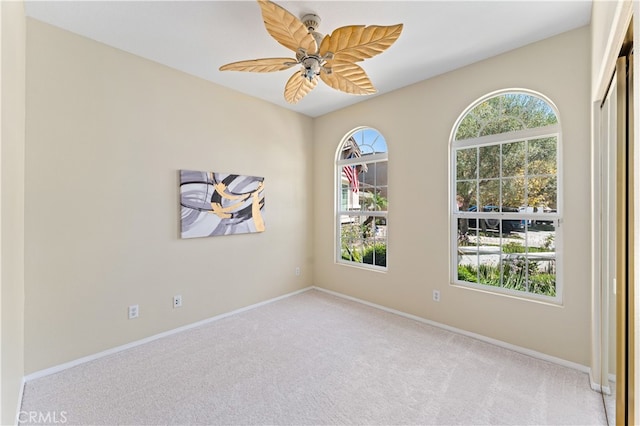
x=489 y=261
x=367 y=176
x=351 y=238
x=467 y=163
x=469 y=128
x=350 y=149
x=506 y=113
x=533 y=111
x=344 y=197
x=514 y=264
x=530 y=264
x=381 y=186
x=513 y=160
x=372 y=186
x=467 y=251
x=372 y=200
x=370 y=142
x=512 y=194
x=502 y=125
x=489 y=193
x=363 y=175
x=349 y=190
x=466 y=190
x=364 y=239
x=541 y=259
x=366 y=142
x=349 y=178
x=542 y=192
x=489 y=161
x=375 y=252
x=542 y=157
x=367 y=186
x=490 y=223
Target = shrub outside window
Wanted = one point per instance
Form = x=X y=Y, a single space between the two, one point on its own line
x=506 y=211
x=361 y=220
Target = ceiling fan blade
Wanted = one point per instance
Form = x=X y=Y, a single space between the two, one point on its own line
x=260 y=65
x=297 y=87
x=349 y=78
x=288 y=30
x=357 y=42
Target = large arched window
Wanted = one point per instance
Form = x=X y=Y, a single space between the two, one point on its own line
x=505 y=196
x=361 y=192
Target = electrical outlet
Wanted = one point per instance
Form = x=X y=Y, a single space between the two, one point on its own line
x=177 y=301
x=297 y=270
x=436 y=295
x=134 y=311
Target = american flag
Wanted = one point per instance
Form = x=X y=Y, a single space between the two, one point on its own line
x=352 y=176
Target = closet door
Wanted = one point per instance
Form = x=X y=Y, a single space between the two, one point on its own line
x=605 y=238
x=625 y=238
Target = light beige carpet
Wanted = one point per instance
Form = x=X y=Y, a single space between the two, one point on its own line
x=315 y=359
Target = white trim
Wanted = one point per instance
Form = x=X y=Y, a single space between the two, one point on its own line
x=339 y=163
x=508 y=292
x=530 y=134
x=599 y=198
x=376 y=213
x=364 y=159
x=499 y=343
x=598 y=387
x=363 y=266
x=618 y=30
x=70 y=364
x=514 y=136
x=508 y=215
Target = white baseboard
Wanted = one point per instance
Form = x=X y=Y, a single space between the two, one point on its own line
x=598 y=387
x=70 y=364
x=505 y=345
x=525 y=351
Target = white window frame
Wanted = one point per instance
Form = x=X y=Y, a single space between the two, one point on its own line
x=339 y=212
x=501 y=139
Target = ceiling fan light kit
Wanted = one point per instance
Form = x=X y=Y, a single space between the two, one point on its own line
x=331 y=58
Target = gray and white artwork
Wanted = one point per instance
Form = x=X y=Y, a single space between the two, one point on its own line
x=220 y=204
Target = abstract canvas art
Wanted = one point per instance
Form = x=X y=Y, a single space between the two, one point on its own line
x=220 y=204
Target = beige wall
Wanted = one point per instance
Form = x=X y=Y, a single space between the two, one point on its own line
x=12 y=169
x=416 y=122
x=107 y=133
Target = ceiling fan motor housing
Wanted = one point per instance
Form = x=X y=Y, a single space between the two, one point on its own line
x=311 y=21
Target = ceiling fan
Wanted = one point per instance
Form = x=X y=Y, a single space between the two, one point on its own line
x=332 y=58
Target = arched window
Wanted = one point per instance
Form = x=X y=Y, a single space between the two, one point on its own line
x=506 y=196
x=361 y=192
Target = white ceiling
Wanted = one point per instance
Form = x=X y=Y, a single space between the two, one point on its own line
x=197 y=37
